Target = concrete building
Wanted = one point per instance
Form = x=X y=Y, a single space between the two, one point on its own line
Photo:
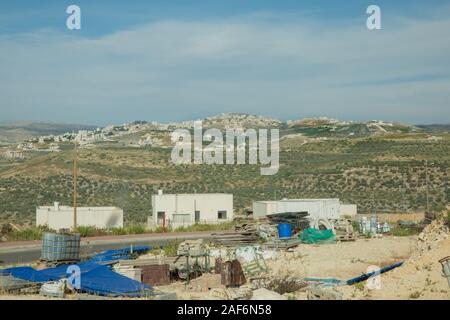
x=61 y=217
x=175 y=210
x=316 y=208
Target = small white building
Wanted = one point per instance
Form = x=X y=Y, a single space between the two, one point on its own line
x=176 y=210
x=61 y=217
x=316 y=208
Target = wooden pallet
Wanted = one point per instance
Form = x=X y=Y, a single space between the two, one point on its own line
x=346 y=237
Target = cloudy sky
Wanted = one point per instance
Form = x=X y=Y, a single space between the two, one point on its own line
x=187 y=59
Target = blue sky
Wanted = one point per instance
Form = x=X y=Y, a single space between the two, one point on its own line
x=182 y=59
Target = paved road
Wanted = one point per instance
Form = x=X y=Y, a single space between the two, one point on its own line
x=28 y=251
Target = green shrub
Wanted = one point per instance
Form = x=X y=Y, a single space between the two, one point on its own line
x=34 y=233
x=405 y=232
x=90 y=231
x=206 y=227
x=136 y=229
x=447 y=219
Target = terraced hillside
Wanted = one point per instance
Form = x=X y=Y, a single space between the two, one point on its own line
x=385 y=173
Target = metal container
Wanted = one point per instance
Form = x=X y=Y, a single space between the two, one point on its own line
x=232 y=274
x=156 y=275
x=445 y=262
x=61 y=247
x=284 y=231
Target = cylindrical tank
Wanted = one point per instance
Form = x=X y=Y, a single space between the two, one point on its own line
x=61 y=247
x=284 y=230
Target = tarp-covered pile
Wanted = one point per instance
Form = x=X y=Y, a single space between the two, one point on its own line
x=312 y=236
x=95 y=277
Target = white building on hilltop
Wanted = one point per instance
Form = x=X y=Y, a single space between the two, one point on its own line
x=176 y=210
x=61 y=217
x=316 y=208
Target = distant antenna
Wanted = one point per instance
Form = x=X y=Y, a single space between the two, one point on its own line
x=75 y=169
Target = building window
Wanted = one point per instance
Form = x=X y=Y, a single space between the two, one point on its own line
x=222 y=214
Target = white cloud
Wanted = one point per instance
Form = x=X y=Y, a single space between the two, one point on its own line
x=183 y=69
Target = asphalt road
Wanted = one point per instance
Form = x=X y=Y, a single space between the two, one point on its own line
x=22 y=253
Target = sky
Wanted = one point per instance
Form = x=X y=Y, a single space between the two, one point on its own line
x=177 y=60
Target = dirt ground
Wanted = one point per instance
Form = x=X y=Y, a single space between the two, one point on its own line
x=340 y=260
x=421 y=275
x=419 y=278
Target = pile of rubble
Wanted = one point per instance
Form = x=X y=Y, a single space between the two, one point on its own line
x=431 y=235
x=267 y=288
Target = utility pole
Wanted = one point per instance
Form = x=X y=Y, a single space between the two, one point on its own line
x=75 y=172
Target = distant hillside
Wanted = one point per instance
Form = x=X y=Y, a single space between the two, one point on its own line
x=435 y=128
x=17 y=132
x=324 y=127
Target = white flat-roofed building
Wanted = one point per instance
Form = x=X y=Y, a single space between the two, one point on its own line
x=61 y=217
x=176 y=210
x=316 y=208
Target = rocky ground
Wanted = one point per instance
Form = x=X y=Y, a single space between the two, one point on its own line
x=421 y=275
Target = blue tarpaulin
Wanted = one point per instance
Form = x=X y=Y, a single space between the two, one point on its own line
x=118 y=254
x=28 y=274
x=95 y=278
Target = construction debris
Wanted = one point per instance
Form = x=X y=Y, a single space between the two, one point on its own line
x=129 y=272
x=55 y=289
x=323 y=293
x=282 y=244
x=298 y=220
x=242 y=235
x=267 y=232
x=343 y=230
x=264 y=294
x=156 y=275
x=10 y=284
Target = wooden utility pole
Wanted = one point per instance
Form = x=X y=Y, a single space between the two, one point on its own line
x=75 y=172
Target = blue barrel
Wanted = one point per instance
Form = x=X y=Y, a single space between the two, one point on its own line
x=284 y=231
x=61 y=247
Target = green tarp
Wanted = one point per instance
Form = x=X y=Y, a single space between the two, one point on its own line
x=312 y=235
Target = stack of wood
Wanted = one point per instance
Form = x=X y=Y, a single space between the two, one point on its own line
x=243 y=233
x=298 y=220
x=343 y=229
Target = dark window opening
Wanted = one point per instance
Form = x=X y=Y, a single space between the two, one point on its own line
x=222 y=214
